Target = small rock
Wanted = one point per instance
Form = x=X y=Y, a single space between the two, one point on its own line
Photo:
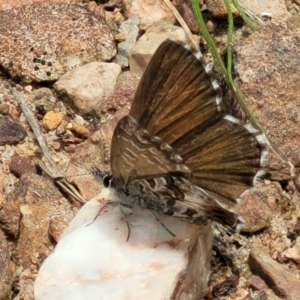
x=20 y=165
x=43 y=100
x=297 y=228
x=70 y=149
x=28 y=212
x=211 y=26
x=10 y=132
x=294 y=252
x=4 y=108
x=120 y=37
x=56 y=145
x=255 y=213
x=242 y=293
x=218 y=8
x=281 y=258
x=283 y=282
x=61 y=129
x=124 y=91
x=149 y=42
x=161 y=262
x=28 y=88
x=13 y=113
x=130 y=29
x=257 y=284
x=28 y=149
x=224 y=287
x=293 y=22
x=81 y=130
x=88 y=86
x=41 y=42
x=141 y=8
x=96 y=9
x=5 y=271
x=52 y=119
x=185 y=10
x=79 y=119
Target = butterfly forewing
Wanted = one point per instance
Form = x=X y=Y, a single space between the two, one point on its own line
x=137 y=155
x=175 y=94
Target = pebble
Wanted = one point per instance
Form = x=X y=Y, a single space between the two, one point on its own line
x=81 y=130
x=284 y=283
x=257 y=284
x=52 y=119
x=130 y=30
x=10 y=132
x=6 y=276
x=141 y=8
x=20 y=165
x=88 y=86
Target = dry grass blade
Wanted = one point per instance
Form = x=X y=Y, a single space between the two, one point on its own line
x=36 y=130
x=58 y=175
x=182 y=23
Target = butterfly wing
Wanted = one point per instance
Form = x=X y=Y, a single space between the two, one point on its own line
x=178 y=101
x=175 y=95
x=144 y=167
x=136 y=154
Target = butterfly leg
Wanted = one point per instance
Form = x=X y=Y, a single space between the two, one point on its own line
x=101 y=209
x=125 y=218
x=161 y=223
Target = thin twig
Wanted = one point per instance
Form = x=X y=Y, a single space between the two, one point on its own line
x=36 y=130
x=182 y=23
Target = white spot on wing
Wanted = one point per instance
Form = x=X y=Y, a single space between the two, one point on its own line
x=264 y=158
x=232 y=119
x=251 y=129
x=198 y=55
x=207 y=69
x=261 y=139
x=260 y=174
x=218 y=100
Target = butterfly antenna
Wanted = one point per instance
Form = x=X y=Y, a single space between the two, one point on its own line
x=101 y=209
x=77 y=175
x=161 y=223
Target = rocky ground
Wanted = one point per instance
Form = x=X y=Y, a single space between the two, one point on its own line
x=75 y=65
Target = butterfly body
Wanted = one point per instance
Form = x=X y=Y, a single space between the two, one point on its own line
x=171 y=196
x=179 y=152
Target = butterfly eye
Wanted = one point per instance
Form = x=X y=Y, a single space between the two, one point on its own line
x=106 y=180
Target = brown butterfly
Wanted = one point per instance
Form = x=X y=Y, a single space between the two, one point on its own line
x=179 y=152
